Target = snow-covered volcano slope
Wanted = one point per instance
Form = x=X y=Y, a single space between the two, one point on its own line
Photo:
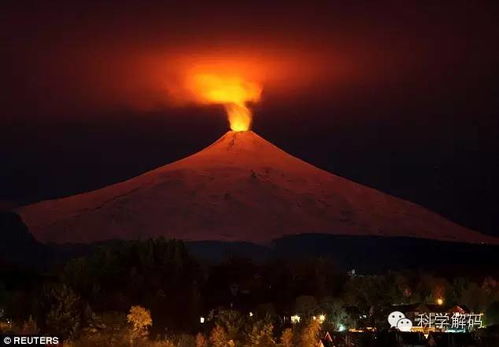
x=241 y=188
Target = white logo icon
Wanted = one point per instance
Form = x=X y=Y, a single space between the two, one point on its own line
x=394 y=317
x=404 y=324
x=7 y=340
x=398 y=320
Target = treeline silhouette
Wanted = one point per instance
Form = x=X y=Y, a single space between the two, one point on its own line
x=88 y=292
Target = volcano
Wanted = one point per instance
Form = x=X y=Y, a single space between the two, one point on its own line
x=240 y=188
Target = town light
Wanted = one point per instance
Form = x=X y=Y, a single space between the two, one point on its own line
x=295 y=319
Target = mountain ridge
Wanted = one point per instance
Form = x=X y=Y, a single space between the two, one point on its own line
x=240 y=188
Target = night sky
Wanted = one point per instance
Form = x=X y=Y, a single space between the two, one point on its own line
x=399 y=96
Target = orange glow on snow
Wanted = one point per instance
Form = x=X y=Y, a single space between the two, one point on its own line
x=233 y=92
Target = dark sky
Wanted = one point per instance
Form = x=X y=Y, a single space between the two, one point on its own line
x=400 y=96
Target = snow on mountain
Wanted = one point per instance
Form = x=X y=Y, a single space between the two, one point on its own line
x=240 y=188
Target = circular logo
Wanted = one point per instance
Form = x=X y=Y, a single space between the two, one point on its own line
x=7 y=340
x=404 y=325
x=394 y=317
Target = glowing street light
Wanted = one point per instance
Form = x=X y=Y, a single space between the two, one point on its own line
x=440 y=301
x=295 y=319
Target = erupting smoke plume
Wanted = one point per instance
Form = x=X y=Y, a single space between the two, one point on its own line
x=233 y=92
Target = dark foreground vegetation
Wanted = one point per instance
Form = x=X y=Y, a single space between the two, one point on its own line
x=157 y=293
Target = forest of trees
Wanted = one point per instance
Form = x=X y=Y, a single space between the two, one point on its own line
x=155 y=291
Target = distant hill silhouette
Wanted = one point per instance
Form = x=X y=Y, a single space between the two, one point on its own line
x=365 y=253
x=17 y=244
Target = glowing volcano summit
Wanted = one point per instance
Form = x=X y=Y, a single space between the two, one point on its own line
x=240 y=188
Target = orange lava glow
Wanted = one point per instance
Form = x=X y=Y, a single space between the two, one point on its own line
x=233 y=92
x=235 y=79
